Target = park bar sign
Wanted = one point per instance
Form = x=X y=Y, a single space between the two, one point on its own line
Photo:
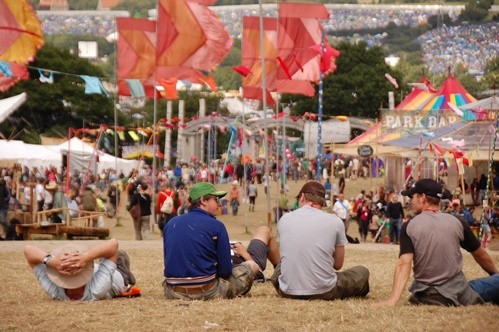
x=417 y=121
x=365 y=151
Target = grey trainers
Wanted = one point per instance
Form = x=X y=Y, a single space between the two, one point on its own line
x=123 y=265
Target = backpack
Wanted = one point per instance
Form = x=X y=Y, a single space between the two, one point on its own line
x=167 y=206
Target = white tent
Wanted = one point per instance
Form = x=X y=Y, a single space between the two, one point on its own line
x=33 y=155
x=86 y=157
x=9 y=105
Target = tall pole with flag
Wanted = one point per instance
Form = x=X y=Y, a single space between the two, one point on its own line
x=264 y=106
x=319 y=117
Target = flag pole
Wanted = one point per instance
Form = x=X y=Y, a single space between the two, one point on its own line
x=155 y=111
x=319 y=117
x=116 y=213
x=264 y=106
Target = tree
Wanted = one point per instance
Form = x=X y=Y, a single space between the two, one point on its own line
x=357 y=88
x=475 y=11
x=53 y=108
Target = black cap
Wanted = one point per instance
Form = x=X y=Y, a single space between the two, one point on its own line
x=428 y=187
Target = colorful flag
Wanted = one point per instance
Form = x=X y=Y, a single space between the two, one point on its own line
x=251 y=57
x=242 y=70
x=20 y=31
x=170 y=88
x=299 y=31
x=15 y=71
x=210 y=82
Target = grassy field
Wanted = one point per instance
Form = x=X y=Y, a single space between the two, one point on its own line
x=25 y=307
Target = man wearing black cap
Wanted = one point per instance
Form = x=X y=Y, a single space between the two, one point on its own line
x=312 y=248
x=430 y=243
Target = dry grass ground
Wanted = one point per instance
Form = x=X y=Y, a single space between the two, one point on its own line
x=25 y=306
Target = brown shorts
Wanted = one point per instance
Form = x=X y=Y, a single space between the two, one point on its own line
x=239 y=283
x=353 y=282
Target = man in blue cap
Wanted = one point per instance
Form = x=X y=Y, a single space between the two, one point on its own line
x=197 y=252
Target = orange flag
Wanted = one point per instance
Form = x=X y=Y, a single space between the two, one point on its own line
x=170 y=86
x=210 y=81
x=20 y=31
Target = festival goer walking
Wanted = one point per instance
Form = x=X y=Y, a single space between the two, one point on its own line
x=364 y=217
x=395 y=213
x=252 y=194
x=141 y=224
x=234 y=197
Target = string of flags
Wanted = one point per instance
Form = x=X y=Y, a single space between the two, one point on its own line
x=11 y=73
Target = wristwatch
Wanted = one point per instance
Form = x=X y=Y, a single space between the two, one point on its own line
x=46 y=259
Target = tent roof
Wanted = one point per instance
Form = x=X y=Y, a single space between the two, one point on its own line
x=417 y=140
x=490 y=104
x=418 y=96
x=413 y=101
x=9 y=105
x=476 y=136
x=451 y=92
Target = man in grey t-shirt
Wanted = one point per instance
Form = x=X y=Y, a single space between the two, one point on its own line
x=312 y=250
x=430 y=243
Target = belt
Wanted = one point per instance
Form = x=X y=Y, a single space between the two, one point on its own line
x=193 y=289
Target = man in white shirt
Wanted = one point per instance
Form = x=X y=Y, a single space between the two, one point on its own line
x=342 y=209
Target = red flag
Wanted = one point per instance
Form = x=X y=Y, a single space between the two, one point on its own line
x=242 y=70
x=136 y=48
x=299 y=29
x=19 y=72
x=218 y=41
x=284 y=67
x=437 y=149
x=251 y=57
x=170 y=88
x=189 y=36
x=328 y=57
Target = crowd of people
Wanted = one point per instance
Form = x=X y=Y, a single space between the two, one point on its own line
x=470 y=45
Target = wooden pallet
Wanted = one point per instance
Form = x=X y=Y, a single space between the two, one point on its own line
x=27 y=230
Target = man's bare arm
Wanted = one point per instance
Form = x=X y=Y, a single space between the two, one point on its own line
x=484 y=260
x=401 y=275
x=339 y=257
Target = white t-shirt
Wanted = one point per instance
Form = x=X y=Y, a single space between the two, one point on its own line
x=39 y=191
x=340 y=209
x=308 y=237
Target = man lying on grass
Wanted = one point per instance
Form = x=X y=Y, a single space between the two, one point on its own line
x=68 y=272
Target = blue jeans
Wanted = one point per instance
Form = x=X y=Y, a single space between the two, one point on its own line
x=3 y=220
x=394 y=229
x=487 y=288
